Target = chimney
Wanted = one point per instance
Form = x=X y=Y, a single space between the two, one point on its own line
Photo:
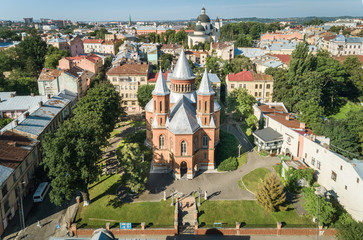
x=287 y=117
x=48 y=96
x=302 y=125
x=16 y=122
x=40 y=103
x=270 y=106
x=26 y=114
x=12 y=95
x=32 y=94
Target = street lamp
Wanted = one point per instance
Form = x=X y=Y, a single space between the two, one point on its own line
x=319 y=191
x=21 y=209
x=172 y=196
x=199 y=193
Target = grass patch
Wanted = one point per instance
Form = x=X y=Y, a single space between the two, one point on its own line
x=227 y=147
x=249 y=213
x=134 y=123
x=242 y=160
x=248 y=132
x=105 y=207
x=252 y=179
x=342 y=114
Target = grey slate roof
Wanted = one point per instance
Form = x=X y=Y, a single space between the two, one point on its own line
x=203 y=18
x=37 y=121
x=5 y=95
x=5 y=173
x=205 y=88
x=149 y=106
x=182 y=70
x=21 y=102
x=160 y=87
x=268 y=134
x=183 y=118
x=199 y=28
x=175 y=97
x=213 y=78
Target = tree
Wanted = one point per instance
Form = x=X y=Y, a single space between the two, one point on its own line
x=165 y=61
x=241 y=101
x=317 y=205
x=22 y=82
x=350 y=231
x=136 y=170
x=53 y=56
x=353 y=67
x=252 y=122
x=35 y=48
x=5 y=121
x=240 y=63
x=271 y=193
x=144 y=94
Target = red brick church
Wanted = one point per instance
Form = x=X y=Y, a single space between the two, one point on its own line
x=183 y=123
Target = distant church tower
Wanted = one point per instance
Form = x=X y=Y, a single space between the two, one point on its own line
x=129 y=19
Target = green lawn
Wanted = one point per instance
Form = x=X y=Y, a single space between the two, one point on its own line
x=242 y=160
x=249 y=213
x=104 y=208
x=342 y=114
x=252 y=179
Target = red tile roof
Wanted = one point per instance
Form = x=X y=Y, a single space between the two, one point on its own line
x=154 y=76
x=12 y=151
x=130 y=69
x=283 y=58
x=93 y=41
x=49 y=74
x=248 y=76
x=92 y=57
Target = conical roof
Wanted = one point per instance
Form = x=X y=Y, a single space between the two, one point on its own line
x=205 y=87
x=182 y=70
x=160 y=87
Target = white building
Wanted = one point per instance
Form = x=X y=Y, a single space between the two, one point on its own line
x=204 y=31
x=342 y=45
x=343 y=178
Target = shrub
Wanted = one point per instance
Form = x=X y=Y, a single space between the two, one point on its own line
x=350 y=231
x=229 y=164
x=227 y=147
x=271 y=193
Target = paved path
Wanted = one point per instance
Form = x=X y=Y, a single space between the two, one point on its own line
x=232 y=126
x=219 y=186
x=186 y=215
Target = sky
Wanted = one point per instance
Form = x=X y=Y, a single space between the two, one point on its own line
x=143 y=10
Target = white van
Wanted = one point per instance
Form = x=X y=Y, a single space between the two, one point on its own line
x=41 y=191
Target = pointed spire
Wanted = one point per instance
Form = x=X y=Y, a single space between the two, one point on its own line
x=182 y=70
x=199 y=121
x=212 y=123
x=205 y=88
x=155 y=123
x=167 y=121
x=160 y=87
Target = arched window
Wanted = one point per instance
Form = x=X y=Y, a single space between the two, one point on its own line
x=161 y=141
x=200 y=105
x=205 y=141
x=183 y=146
x=154 y=106
x=205 y=106
x=182 y=88
x=171 y=144
x=161 y=106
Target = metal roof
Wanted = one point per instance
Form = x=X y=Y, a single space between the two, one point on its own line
x=205 y=88
x=213 y=78
x=160 y=87
x=268 y=134
x=182 y=70
x=21 y=102
x=5 y=173
x=6 y=95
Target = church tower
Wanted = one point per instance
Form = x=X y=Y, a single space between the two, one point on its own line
x=161 y=104
x=205 y=104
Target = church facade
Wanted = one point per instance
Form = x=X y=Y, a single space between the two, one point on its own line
x=204 y=30
x=182 y=123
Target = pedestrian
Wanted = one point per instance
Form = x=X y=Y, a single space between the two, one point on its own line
x=39 y=225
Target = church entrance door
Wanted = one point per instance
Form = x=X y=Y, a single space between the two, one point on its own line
x=183 y=169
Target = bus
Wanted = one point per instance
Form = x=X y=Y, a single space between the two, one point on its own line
x=41 y=192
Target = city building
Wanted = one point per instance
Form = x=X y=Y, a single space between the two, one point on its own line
x=173 y=49
x=108 y=48
x=126 y=79
x=182 y=123
x=75 y=79
x=199 y=57
x=14 y=106
x=204 y=30
x=258 y=85
x=91 y=62
x=290 y=35
x=72 y=44
x=92 y=45
x=341 y=177
x=222 y=50
x=342 y=45
x=19 y=156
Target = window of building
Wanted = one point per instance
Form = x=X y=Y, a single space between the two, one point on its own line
x=133 y=103
x=341 y=167
x=161 y=141
x=313 y=161
x=127 y=95
x=183 y=147
x=255 y=94
x=259 y=94
x=125 y=102
x=4 y=190
x=205 y=156
x=260 y=86
x=195 y=143
x=142 y=79
x=205 y=106
x=317 y=150
x=135 y=87
x=232 y=85
x=114 y=79
x=240 y=85
x=205 y=141
x=171 y=144
x=244 y=85
x=256 y=86
x=318 y=165
x=346 y=188
x=267 y=86
x=267 y=94
x=357 y=180
x=161 y=106
x=117 y=88
x=333 y=176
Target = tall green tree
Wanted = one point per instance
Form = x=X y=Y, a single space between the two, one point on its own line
x=240 y=63
x=353 y=67
x=35 y=48
x=271 y=194
x=136 y=170
x=144 y=94
x=239 y=100
x=53 y=56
